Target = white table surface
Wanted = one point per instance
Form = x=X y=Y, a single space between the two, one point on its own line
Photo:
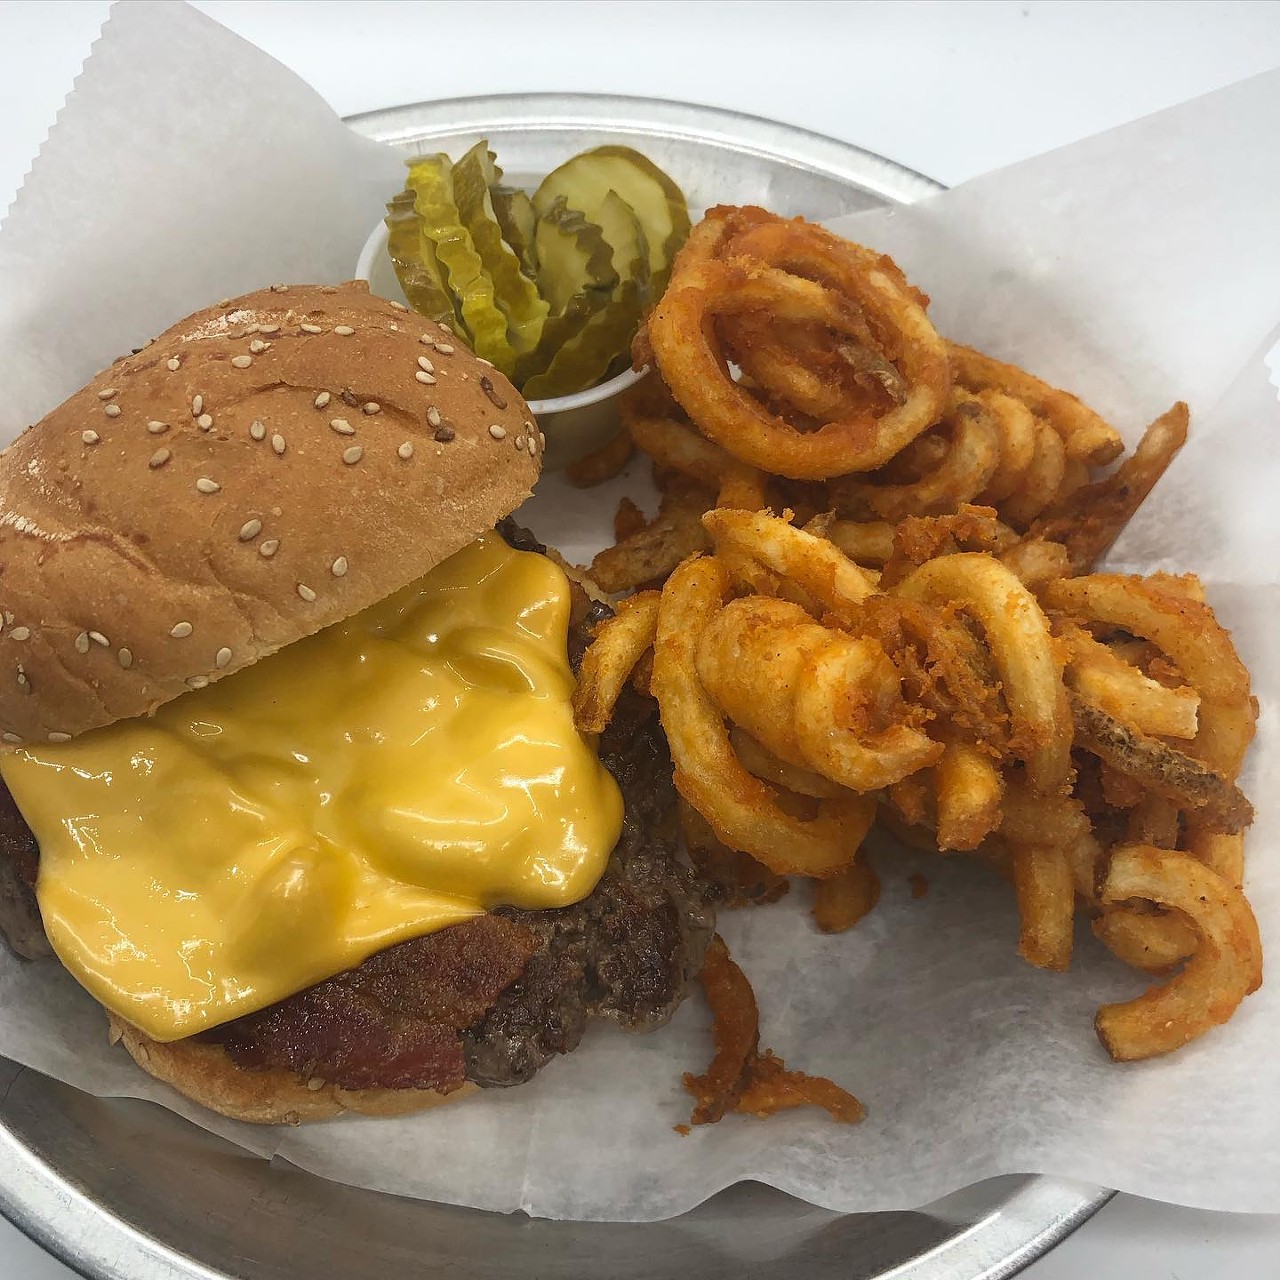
x=951 y=89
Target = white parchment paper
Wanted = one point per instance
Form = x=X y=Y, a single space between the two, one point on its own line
x=1135 y=268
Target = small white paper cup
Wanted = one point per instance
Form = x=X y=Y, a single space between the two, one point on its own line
x=573 y=425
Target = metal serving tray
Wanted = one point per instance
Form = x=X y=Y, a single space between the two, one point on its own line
x=125 y=1190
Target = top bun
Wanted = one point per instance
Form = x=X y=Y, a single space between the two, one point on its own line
x=265 y=468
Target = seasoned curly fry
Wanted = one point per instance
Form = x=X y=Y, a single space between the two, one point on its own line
x=743 y=811
x=617 y=646
x=1225 y=967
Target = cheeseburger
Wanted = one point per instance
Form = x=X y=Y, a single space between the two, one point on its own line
x=290 y=768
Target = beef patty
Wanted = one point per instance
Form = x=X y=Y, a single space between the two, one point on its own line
x=491 y=1000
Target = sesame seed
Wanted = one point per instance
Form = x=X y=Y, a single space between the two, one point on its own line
x=268 y=328
x=424 y=363
x=23 y=683
x=156 y=427
x=181 y=630
x=82 y=642
x=126 y=658
x=427 y=340
x=205 y=421
x=279 y=288
x=106 y=393
x=277 y=443
x=258 y=430
x=399 y=306
x=353 y=455
x=310 y=328
x=315 y=1084
x=542 y=439
x=205 y=485
x=98 y=638
x=306 y=593
x=339 y=567
x=223 y=657
x=497 y=432
x=520 y=443
x=349 y=397
x=257 y=346
x=159 y=458
x=56 y=736
x=90 y=437
x=444 y=433
x=111 y=410
x=322 y=400
x=482 y=360
x=373 y=407
x=198 y=682
x=20 y=633
x=241 y=362
x=343 y=330
x=444 y=348
x=446 y=328
x=197 y=406
x=433 y=416
x=342 y=427
x=173 y=364
x=424 y=377
x=12 y=737
x=252 y=328
x=269 y=548
x=250 y=530
x=405 y=451
x=533 y=446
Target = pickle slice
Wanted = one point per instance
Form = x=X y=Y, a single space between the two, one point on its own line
x=659 y=204
x=514 y=211
x=585 y=356
x=515 y=294
x=414 y=260
x=575 y=274
x=430 y=180
x=573 y=256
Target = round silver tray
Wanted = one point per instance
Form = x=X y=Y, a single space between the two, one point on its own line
x=125 y=1190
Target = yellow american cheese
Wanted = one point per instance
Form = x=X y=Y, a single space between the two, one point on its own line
x=399 y=772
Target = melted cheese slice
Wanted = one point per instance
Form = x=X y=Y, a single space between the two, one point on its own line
x=399 y=772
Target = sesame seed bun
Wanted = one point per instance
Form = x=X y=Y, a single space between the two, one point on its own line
x=265 y=468
x=205 y=1074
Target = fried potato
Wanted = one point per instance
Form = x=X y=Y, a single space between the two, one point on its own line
x=969 y=788
x=842 y=900
x=1225 y=967
x=1043 y=882
x=815 y=698
x=743 y=811
x=617 y=646
x=1018 y=635
x=603 y=463
x=1104 y=680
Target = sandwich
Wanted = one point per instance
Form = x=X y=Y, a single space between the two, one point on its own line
x=291 y=784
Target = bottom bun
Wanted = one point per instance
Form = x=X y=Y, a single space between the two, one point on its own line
x=205 y=1074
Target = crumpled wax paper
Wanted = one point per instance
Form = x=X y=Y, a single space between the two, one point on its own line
x=1135 y=268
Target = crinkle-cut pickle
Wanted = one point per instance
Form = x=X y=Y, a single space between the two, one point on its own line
x=514 y=211
x=471 y=285
x=549 y=288
x=585 y=357
x=414 y=260
x=516 y=295
x=659 y=204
